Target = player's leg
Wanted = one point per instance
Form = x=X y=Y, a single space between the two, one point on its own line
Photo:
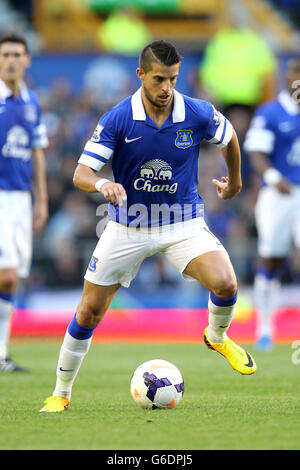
x=15 y=257
x=199 y=255
x=214 y=270
x=274 y=220
x=8 y=283
x=115 y=262
x=266 y=290
x=94 y=302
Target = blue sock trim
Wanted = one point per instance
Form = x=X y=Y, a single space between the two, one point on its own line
x=6 y=296
x=78 y=331
x=223 y=302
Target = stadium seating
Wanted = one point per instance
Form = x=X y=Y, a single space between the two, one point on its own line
x=72 y=25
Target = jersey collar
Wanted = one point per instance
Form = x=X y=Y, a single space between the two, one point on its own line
x=6 y=92
x=138 y=110
x=288 y=103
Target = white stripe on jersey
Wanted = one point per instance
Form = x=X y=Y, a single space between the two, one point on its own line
x=91 y=162
x=227 y=135
x=218 y=135
x=98 y=149
x=219 y=132
x=40 y=138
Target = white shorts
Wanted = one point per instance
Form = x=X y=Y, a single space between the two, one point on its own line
x=16 y=231
x=121 y=250
x=278 y=222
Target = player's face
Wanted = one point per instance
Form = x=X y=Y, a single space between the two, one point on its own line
x=13 y=61
x=158 y=84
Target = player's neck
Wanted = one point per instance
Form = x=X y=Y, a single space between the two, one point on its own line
x=157 y=114
x=14 y=86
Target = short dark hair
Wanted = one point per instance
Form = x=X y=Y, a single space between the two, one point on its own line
x=12 y=37
x=160 y=51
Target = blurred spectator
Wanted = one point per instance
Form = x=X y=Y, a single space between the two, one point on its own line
x=124 y=32
x=238 y=68
x=236 y=74
x=108 y=82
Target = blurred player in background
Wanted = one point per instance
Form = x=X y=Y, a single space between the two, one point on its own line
x=154 y=138
x=22 y=168
x=273 y=142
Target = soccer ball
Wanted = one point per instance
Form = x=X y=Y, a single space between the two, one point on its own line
x=157 y=384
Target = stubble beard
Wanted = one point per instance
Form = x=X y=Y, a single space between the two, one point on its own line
x=156 y=105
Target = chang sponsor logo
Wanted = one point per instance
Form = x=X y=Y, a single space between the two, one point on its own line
x=154 y=175
x=16 y=145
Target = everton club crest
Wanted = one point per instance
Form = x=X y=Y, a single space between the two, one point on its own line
x=184 y=139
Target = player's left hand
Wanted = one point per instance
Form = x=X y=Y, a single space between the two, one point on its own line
x=40 y=215
x=225 y=189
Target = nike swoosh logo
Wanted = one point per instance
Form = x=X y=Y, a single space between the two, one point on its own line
x=65 y=370
x=132 y=140
x=250 y=363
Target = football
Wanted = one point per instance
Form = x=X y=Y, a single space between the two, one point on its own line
x=157 y=384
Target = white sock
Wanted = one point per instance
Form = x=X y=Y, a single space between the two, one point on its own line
x=71 y=355
x=266 y=292
x=219 y=319
x=6 y=308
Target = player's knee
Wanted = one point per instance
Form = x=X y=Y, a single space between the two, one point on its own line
x=90 y=313
x=226 y=289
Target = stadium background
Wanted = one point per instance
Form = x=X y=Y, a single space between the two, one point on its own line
x=77 y=77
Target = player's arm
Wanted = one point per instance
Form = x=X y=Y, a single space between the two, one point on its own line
x=230 y=185
x=86 y=179
x=40 y=207
x=96 y=153
x=270 y=175
x=259 y=144
x=220 y=132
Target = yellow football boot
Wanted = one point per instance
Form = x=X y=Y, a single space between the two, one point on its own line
x=55 y=404
x=238 y=358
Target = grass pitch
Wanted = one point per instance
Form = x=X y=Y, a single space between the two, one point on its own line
x=220 y=408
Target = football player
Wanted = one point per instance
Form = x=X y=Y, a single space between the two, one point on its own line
x=153 y=138
x=273 y=142
x=22 y=169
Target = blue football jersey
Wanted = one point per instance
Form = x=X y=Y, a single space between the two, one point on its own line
x=21 y=130
x=158 y=167
x=275 y=130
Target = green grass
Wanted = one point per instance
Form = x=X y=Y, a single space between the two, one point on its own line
x=220 y=409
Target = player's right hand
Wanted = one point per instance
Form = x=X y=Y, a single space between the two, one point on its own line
x=114 y=192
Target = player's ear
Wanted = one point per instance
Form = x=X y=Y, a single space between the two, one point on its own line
x=140 y=73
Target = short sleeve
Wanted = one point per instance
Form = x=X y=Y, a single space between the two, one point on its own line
x=219 y=129
x=100 y=147
x=260 y=136
x=40 y=139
